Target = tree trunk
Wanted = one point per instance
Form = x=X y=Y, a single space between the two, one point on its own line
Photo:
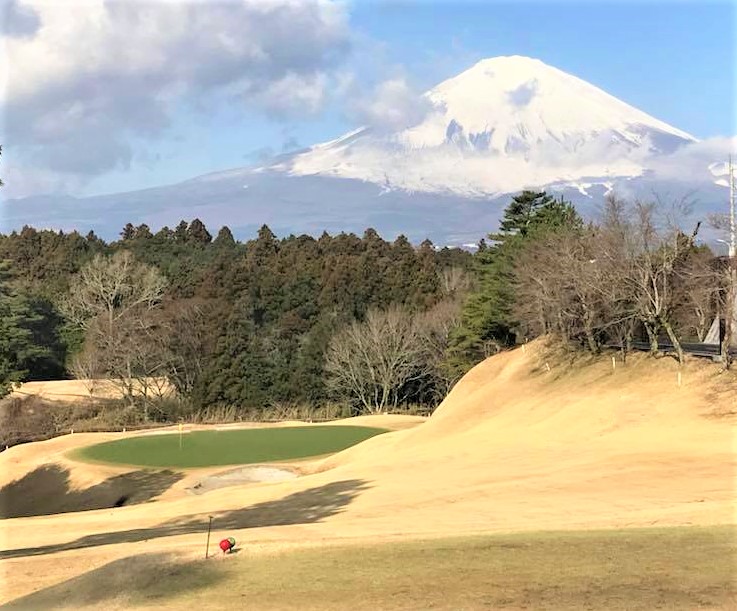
x=674 y=340
x=627 y=344
x=653 y=337
x=562 y=326
x=590 y=339
x=702 y=326
x=726 y=357
x=728 y=316
x=542 y=320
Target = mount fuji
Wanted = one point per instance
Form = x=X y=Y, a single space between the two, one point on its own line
x=505 y=124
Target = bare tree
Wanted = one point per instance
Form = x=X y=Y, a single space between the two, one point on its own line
x=560 y=286
x=436 y=326
x=374 y=361
x=454 y=281
x=135 y=359
x=85 y=366
x=189 y=342
x=700 y=288
x=538 y=304
x=108 y=288
x=594 y=284
x=112 y=299
x=658 y=263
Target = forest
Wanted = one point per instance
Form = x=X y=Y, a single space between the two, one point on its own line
x=184 y=323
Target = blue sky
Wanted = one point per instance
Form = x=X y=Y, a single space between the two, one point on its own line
x=674 y=60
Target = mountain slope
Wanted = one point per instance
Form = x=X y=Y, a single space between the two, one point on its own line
x=506 y=124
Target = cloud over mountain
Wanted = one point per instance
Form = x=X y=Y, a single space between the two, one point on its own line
x=85 y=79
x=438 y=165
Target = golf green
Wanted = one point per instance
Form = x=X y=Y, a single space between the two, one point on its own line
x=231 y=447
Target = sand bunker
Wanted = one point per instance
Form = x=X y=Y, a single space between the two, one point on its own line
x=242 y=475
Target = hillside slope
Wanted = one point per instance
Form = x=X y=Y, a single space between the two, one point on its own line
x=513 y=447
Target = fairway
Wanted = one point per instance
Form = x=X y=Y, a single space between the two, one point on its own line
x=681 y=569
x=233 y=447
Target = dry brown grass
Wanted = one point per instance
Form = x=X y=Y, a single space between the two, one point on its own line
x=631 y=570
x=512 y=448
x=84 y=389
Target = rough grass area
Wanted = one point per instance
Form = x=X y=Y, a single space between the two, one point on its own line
x=234 y=447
x=676 y=569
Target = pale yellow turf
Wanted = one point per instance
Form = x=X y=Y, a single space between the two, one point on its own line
x=514 y=447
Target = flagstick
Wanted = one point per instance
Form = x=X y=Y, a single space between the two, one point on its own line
x=207 y=549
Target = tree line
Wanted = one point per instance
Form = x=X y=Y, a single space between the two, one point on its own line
x=249 y=324
x=370 y=324
x=633 y=274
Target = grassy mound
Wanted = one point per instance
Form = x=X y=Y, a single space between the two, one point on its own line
x=234 y=447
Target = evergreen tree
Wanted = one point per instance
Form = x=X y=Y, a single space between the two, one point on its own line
x=520 y=213
x=164 y=235
x=92 y=239
x=142 y=232
x=197 y=232
x=487 y=321
x=224 y=238
x=128 y=233
x=17 y=347
x=181 y=232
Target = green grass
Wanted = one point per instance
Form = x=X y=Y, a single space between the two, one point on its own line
x=679 y=569
x=232 y=447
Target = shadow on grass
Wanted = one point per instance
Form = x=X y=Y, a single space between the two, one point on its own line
x=149 y=578
x=307 y=506
x=46 y=490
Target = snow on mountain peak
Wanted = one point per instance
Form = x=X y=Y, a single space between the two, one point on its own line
x=504 y=124
x=517 y=102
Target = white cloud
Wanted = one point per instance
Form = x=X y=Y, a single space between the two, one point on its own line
x=292 y=95
x=21 y=181
x=84 y=78
x=694 y=161
x=392 y=106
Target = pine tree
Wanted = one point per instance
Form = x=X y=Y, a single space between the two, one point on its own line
x=142 y=232
x=224 y=239
x=181 y=232
x=128 y=233
x=16 y=336
x=198 y=233
x=487 y=321
x=520 y=213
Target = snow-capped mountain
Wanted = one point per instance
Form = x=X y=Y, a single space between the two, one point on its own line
x=505 y=124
